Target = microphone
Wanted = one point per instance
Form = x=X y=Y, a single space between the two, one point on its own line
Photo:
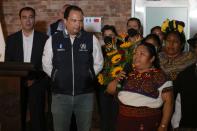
x=127 y=69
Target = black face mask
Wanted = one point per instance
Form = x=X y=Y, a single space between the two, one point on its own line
x=108 y=40
x=132 y=32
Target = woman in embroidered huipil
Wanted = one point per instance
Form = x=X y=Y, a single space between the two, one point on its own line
x=146 y=101
x=173 y=58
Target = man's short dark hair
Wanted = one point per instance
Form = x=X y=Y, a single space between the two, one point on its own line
x=154 y=28
x=70 y=8
x=193 y=41
x=27 y=9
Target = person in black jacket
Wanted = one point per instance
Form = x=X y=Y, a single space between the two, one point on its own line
x=58 y=25
x=107 y=104
x=185 y=116
x=26 y=46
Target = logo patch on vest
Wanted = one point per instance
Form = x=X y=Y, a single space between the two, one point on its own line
x=83 y=47
x=60 y=48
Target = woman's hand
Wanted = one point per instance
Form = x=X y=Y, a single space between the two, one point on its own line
x=111 y=88
x=120 y=76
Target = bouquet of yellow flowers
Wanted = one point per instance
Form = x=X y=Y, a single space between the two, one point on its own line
x=115 y=59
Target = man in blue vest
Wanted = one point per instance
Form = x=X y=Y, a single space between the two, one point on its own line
x=72 y=58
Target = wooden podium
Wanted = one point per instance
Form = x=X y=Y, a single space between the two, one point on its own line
x=10 y=77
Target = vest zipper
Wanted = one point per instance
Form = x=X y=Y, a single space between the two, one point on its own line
x=54 y=75
x=91 y=74
x=73 y=71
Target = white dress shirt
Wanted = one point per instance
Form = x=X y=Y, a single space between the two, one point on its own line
x=48 y=55
x=176 y=117
x=27 y=46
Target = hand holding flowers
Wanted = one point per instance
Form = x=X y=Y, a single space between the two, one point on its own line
x=115 y=60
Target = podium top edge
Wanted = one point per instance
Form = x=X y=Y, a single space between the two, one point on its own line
x=16 y=66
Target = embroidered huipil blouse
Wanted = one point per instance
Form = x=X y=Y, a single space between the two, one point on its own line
x=144 y=89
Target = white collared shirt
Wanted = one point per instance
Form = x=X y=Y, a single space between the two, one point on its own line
x=48 y=55
x=27 y=46
x=176 y=117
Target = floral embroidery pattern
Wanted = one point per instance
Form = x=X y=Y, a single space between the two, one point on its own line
x=146 y=83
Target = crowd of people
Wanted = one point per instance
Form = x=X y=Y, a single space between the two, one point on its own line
x=141 y=83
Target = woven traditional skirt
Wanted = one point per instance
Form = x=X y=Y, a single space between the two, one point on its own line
x=138 y=118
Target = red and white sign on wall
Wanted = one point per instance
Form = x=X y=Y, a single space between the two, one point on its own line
x=92 y=24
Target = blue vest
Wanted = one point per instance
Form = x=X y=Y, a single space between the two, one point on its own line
x=72 y=72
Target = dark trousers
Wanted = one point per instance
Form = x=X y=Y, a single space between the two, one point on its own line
x=108 y=110
x=33 y=98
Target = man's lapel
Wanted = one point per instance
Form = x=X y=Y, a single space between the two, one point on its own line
x=20 y=53
x=34 y=48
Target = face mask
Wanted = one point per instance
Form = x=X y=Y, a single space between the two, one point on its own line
x=132 y=32
x=108 y=40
